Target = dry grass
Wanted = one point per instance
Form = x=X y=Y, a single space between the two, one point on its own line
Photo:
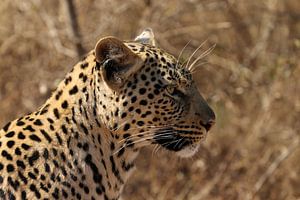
x=252 y=82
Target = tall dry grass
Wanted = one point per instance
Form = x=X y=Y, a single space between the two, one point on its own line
x=251 y=80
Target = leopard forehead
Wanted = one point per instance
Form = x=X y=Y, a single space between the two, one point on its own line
x=172 y=69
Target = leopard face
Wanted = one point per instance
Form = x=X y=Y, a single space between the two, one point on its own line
x=159 y=102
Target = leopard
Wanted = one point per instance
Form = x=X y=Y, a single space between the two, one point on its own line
x=82 y=143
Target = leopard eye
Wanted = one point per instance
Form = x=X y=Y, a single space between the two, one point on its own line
x=170 y=89
x=174 y=92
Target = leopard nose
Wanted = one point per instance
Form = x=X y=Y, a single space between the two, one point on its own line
x=207 y=125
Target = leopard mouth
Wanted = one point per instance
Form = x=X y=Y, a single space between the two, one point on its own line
x=177 y=140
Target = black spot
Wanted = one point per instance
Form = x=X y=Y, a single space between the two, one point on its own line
x=35 y=190
x=31 y=175
x=46 y=135
x=85 y=130
x=64 y=193
x=29 y=128
x=36 y=170
x=68 y=80
x=59 y=93
x=156 y=91
x=157 y=86
x=2 y=193
x=143 y=77
x=129 y=84
x=35 y=155
x=150 y=96
x=21 y=164
x=54 y=151
x=50 y=120
x=78 y=196
x=5 y=128
x=35 y=138
x=97 y=177
x=85 y=147
x=74 y=90
x=64 y=105
x=10 y=134
x=140 y=123
x=38 y=122
x=128 y=166
x=64 y=129
x=73 y=177
x=7 y=155
x=151 y=59
x=44 y=110
x=115 y=170
x=126 y=127
x=142 y=91
x=20 y=123
x=10 y=144
x=112 y=146
x=46 y=154
x=25 y=146
x=153 y=79
x=79 y=145
x=11 y=196
x=124 y=114
x=84 y=78
x=58 y=138
x=121 y=152
x=18 y=151
x=98 y=190
x=14 y=184
x=21 y=136
x=143 y=102
x=133 y=99
x=10 y=168
x=86 y=189
x=56 y=113
x=23 y=195
x=125 y=103
x=47 y=167
x=84 y=65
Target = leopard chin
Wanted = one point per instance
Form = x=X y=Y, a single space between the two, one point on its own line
x=188 y=151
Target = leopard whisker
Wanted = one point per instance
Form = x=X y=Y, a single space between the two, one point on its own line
x=178 y=142
x=169 y=143
x=204 y=54
x=138 y=135
x=200 y=46
x=155 y=149
x=181 y=52
x=149 y=126
x=196 y=69
x=121 y=125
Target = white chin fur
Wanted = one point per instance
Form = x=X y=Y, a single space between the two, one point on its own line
x=188 y=151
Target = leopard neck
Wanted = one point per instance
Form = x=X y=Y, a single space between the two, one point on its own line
x=77 y=118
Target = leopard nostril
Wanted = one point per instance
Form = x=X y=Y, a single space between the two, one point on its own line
x=208 y=124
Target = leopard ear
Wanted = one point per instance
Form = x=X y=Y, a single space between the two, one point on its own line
x=146 y=37
x=117 y=61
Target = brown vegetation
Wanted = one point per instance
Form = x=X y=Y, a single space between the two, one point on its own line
x=251 y=80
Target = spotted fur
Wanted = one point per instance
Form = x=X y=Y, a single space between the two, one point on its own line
x=81 y=144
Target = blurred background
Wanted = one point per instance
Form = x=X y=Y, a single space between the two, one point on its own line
x=251 y=79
